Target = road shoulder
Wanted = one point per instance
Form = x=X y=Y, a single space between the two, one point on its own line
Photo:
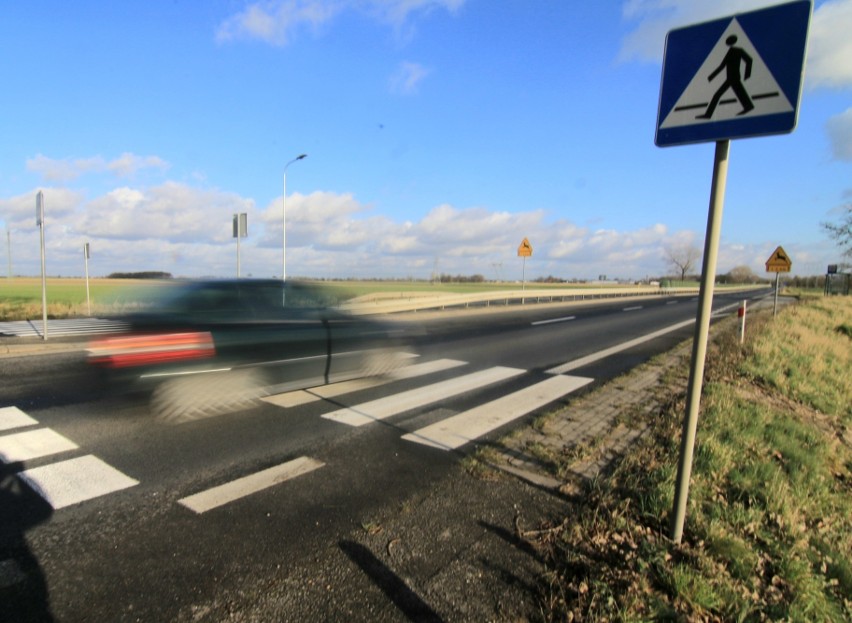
x=464 y=550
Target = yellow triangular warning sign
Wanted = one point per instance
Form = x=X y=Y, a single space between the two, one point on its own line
x=779 y=262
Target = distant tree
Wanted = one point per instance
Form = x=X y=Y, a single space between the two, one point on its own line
x=742 y=274
x=549 y=279
x=444 y=278
x=148 y=274
x=841 y=232
x=682 y=259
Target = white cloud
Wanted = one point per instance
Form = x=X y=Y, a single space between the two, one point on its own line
x=186 y=230
x=171 y=212
x=839 y=130
x=68 y=169
x=656 y=17
x=128 y=164
x=19 y=211
x=277 y=21
x=830 y=47
x=407 y=78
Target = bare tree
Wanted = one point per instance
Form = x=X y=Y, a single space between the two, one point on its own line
x=841 y=232
x=742 y=274
x=682 y=259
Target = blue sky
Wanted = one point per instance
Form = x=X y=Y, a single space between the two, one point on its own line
x=439 y=134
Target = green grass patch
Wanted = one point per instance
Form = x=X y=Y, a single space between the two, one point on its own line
x=768 y=531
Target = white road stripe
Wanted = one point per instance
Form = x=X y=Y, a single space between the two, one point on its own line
x=672 y=302
x=634 y=308
x=460 y=429
x=392 y=405
x=305 y=396
x=76 y=480
x=13 y=417
x=565 y=319
x=242 y=487
x=602 y=354
x=33 y=444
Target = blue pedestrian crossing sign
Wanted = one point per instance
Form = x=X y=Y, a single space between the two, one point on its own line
x=736 y=77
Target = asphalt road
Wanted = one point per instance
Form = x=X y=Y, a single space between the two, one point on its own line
x=109 y=514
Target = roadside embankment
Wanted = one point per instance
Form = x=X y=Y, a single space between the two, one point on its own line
x=769 y=523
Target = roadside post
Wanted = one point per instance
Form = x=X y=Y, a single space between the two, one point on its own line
x=779 y=262
x=240 y=231
x=86 y=262
x=730 y=78
x=524 y=251
x=741 y=312
x=40 y=225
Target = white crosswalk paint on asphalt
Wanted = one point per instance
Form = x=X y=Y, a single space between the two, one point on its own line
x=389 y=406
x=13 y=417
x=33 y=444
x=460 y=429
x=240 y=488
x=323 y=392
x=60 y=483
x=76 y=480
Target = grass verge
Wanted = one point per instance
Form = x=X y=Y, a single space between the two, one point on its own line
x=769 y=523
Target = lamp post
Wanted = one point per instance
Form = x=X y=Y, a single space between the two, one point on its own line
x=284 y=219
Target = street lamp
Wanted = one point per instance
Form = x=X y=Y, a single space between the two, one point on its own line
x=284 y=219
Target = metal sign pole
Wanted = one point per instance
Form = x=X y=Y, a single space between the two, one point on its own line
x=40 y=223
x=86 y=258
x=777 y=283
x=702 y=330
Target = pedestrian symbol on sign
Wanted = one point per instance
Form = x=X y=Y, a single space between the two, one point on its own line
x=731 y=64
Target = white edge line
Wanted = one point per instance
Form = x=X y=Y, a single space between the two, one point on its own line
x=551 y=321
x=602 y=354
x=242 y=487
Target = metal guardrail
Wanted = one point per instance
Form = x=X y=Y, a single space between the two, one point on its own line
x=409 y=302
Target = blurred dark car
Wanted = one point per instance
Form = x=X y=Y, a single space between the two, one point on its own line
x=214 y=346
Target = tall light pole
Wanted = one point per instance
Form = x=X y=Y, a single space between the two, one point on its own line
x=284 y=219
x=9 y=251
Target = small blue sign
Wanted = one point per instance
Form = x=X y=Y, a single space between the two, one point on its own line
x=736 y=77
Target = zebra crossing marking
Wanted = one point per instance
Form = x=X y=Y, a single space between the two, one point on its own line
x=33 y=444
x=383 y=408
x=324 y=392
x=247 y=485
x=13 y=417
x=456 y=431
x=75 y=480
x=61 y=483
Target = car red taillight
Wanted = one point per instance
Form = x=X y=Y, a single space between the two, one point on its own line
x=140 y=350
